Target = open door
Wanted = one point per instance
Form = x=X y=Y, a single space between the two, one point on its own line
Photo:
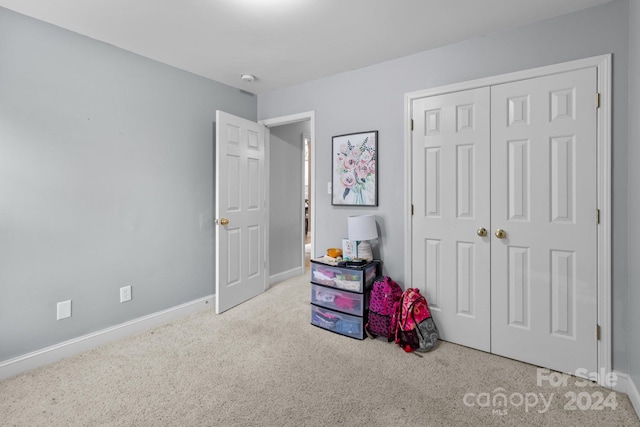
x=241 y=211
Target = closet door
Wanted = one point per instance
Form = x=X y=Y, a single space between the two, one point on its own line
x=451 y=179
x=543 y=197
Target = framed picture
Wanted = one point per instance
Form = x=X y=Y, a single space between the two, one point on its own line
x=354 y=169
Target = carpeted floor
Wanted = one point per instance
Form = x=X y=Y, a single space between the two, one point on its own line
x=263 y=364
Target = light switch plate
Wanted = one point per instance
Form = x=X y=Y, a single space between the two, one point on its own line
x=125 y=293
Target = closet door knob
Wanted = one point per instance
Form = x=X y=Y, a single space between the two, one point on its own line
x=482 y=232
x=222 y=221
x=500 y=233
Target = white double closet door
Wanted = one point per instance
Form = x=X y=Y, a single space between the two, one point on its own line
x=519 y=161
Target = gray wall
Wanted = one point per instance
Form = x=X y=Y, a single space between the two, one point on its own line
x=286 y=181
x=106 y=180
x=372 y=98
x=633 y=299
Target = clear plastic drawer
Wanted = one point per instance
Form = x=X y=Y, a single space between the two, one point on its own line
x=340 y=300
x=354 y=279
x=344 y=324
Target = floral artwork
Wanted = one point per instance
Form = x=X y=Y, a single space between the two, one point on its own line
x=354 y=169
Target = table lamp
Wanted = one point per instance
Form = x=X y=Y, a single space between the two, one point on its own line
x=362 y=228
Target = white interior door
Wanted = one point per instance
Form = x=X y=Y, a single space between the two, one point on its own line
x=543 y=162
x=240 y=210
x=520 y=157
x=451 y=197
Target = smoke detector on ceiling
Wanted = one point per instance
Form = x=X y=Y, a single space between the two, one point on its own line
x=248 y=77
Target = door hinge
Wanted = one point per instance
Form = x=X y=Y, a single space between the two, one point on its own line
x=598 y=216
x=597 y=332
x=411 y=209
x=598 y=100
x=411 y=124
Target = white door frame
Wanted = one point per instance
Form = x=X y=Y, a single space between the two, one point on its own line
x=295 y=118
x=603 y=141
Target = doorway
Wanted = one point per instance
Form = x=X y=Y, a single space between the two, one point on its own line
x=291 y=222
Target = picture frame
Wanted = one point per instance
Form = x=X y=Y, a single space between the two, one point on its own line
x=354 y=173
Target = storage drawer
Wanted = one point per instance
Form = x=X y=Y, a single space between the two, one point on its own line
x=338 y=299
x=355 y=279
x=344 y=324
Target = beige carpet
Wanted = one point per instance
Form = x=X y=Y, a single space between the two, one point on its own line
x=263 y=364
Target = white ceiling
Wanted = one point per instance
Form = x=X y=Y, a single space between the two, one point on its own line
x=286 y=42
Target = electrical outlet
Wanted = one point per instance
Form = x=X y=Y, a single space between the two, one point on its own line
x=64 y=310
x=125 y=293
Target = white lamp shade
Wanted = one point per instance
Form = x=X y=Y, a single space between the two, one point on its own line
x=362 y=227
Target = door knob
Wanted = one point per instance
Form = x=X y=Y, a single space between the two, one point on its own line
x=222 y=221
x=500 y=233
x=482 y=232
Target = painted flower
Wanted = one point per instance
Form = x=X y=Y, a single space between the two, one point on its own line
x=348 y=180
x=362 y=171
x=366 y=157
x=350 y=163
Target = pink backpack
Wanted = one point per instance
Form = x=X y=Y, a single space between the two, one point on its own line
x=416 y=330
x=383 y=308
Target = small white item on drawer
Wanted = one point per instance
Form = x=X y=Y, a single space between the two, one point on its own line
x=349 y=285
x=319 y=275
x=324 y=296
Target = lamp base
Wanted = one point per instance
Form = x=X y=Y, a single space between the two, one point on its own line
x=364 y=250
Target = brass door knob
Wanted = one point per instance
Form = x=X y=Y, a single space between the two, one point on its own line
x=482 y=232
x=500 y=233
x=222 y=221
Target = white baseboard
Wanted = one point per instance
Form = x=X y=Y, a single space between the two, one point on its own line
x=35 y=359
x=626 y=385
x=280 y=277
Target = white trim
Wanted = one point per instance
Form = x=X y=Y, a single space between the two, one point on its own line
x=579 y=64
x=604 y=189
x=603 y=65
x=294 y=118
x=305 y=137
x=280 y=277
x=408 y=188
x=626 y=385
x=54 y=353
x=267 y=205
x=291 y=118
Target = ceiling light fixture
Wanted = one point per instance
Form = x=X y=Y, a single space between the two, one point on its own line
x=248 y=77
